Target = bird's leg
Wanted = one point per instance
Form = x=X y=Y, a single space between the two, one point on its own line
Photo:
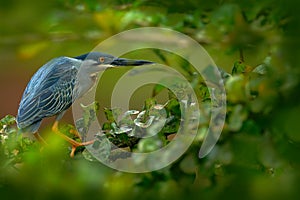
x=75 y=132
x=39 y=138
x=74 y=143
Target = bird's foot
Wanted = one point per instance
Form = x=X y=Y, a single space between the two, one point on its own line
x=78 y=144
x=74 y=143
x=75 y=132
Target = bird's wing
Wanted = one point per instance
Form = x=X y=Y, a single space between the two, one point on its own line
x=49 y=72
x=49 y=91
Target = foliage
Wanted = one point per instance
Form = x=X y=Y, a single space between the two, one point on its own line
x=257 y=155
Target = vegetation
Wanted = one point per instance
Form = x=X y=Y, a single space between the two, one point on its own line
x=254 y=43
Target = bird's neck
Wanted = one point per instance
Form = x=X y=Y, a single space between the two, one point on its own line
x=85 y=82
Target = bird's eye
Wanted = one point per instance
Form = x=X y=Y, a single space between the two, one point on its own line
x=101 y=59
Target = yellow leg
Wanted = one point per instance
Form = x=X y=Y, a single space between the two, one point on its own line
x=74 y=143
x=39 y=138
x=75 y=132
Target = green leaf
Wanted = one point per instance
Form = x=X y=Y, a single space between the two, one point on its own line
x=6 y=125
x=112 y=114
x=89 y=115
x=146 y=145
x=157 y=89
x=7 y=120
x=188 y=165
x=127 y=118
x=204 y=92
x=149 y=103
x=235 y=88
x=262 y=68
x=238 y=68
x=143 y=121
x=100 y=148
x=237 y=117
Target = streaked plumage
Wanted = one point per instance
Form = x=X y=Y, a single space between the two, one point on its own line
x=54 y=87
x=48 y=93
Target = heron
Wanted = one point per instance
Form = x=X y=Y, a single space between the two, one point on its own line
x=57 y=84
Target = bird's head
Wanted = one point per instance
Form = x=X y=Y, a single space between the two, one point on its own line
x=95 y=61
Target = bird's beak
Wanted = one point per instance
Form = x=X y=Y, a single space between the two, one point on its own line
x=128 y=62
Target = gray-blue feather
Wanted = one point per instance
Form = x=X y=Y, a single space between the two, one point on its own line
x=49 y=92
x=55 y=86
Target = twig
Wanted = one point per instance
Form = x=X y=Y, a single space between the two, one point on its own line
x=241 y=55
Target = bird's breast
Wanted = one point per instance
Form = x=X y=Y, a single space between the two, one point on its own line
x=84 y=85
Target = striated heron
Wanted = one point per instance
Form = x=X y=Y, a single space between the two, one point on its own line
x=57 y=84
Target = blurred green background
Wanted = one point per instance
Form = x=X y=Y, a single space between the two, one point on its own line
x=257 y=156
